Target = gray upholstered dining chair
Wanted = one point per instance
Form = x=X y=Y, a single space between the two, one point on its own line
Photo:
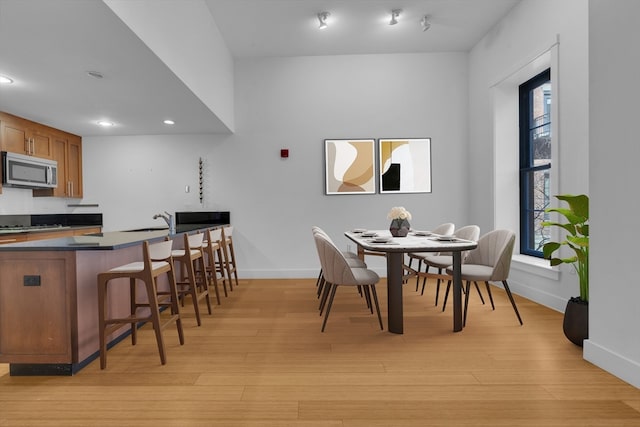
x=442 y=260
x=337 y=272
x=489 y=262
x=445 y=229
x=351 y=257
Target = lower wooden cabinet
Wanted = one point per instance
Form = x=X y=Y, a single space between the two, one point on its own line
x=41 y=295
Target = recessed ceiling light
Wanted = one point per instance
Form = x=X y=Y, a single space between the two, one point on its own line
x=95 y=74
x=105 y=123
x=169 y=122
x=5 y=80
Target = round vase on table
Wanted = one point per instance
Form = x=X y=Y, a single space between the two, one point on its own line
x=399 y=228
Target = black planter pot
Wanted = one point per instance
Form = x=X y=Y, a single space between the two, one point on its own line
x=576 y=321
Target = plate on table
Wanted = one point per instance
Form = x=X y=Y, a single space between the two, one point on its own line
x=422 y=233
x=446 y=238
x=359 y=230
x=369 y=234
x=381 y=240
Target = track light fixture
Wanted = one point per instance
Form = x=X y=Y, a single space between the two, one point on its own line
x=395 y=13
x=425 y=22
x=322 y=17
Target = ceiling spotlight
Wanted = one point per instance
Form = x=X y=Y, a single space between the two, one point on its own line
x=395 y=13
x=169 y=122
x=105 y=123
x=5 y=80
x=425 y=22
x=322 y=17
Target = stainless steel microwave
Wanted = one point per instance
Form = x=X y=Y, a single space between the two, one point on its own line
x=23 y=171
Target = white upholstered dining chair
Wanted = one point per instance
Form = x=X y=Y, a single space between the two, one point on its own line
x=442 y=260
x=445 y=229
x=489 y=262
x=337 y=272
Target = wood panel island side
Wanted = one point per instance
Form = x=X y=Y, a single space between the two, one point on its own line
x=49 y=302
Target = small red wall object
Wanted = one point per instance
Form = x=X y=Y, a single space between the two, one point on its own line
x=284 y=153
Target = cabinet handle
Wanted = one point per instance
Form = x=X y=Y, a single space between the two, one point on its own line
x=33 y=146
x=8 y=240
x=71 y=182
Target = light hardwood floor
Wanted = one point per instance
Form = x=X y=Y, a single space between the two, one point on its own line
x=261 y=360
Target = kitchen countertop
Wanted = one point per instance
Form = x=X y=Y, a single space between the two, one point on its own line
x=102 y=241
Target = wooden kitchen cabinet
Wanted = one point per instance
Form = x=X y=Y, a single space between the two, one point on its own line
x=22 y=136
x=67 y=151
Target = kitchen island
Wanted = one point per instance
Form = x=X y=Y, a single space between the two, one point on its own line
x=49 y=302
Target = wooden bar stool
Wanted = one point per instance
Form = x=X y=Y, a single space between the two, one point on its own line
x=156 y=260
x=212 y=247
x=229 y=254
x=190 y=283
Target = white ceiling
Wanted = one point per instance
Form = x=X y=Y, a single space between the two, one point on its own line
x=290 y=27
x=47 y=47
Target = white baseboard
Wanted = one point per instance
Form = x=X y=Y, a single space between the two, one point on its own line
x=623 y=368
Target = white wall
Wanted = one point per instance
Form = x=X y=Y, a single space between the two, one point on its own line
x=187 y=40
x=505 y=51
x=132 y=178
x=614 y=67
x=296 y=103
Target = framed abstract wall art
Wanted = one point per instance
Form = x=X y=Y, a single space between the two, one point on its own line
x=349 y=166
x=405 y=165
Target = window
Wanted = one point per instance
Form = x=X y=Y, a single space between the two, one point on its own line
x=535 y=161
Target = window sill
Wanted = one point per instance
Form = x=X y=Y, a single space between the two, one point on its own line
x=534 y=265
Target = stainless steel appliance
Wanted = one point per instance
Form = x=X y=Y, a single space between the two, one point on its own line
x=23 y=171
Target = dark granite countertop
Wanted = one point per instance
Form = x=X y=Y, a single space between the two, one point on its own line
x=102 y=241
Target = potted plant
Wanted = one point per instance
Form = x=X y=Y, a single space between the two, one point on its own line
x=576 y=315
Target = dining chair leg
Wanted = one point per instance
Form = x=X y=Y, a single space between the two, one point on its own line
x=479 y=293
x=466 y=304
x=320 y=286
x=367 y=297
x=490 y=296
x=325 y=295
x=513 y=303
x=418 y=275
x=326 y=314
x=424 y=279
x=319 y=278
x=446 y=295
x=375 y=299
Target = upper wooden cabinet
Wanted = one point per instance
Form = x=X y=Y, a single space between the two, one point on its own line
x=67 y=150
x=22 y=136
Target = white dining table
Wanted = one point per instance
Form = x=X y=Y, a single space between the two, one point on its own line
x=395 y=248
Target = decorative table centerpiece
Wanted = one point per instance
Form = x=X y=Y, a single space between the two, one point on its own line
x=399 y=217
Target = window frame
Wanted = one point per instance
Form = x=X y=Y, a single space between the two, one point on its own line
x=526 y=164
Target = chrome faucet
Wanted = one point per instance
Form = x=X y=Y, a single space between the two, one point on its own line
x=169 y=219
